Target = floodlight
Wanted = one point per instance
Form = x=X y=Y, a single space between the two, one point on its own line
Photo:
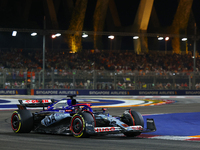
x=53 y=36
x=14 y=33
x=184 y=39
x=111 y=36
x=135 y=37
x=84 y=35
x=160 y=38
x=166 y=38
x=57 y=34
x=33 y=34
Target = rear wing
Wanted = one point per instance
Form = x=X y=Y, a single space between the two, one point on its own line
x=35 y=103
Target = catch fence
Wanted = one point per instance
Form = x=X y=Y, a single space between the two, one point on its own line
x=98 y=79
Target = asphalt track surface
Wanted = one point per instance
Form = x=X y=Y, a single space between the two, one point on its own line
x=32 y=141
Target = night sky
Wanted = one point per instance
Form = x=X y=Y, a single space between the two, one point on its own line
x=126 y=9
x=165 y=9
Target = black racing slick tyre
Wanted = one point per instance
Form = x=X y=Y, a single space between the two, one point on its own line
x=22 y=121
x=78 y=124
x=135 y=118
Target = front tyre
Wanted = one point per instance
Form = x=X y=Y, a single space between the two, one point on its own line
x=22 y=121
x=133 y=118
x=78 y=124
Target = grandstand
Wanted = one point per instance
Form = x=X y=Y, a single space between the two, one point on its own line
x=98 y=70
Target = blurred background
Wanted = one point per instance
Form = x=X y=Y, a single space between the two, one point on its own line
x=99 y=44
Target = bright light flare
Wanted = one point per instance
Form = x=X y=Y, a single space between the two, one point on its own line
x=111 y=37
x=136 y=37
x=184 y=39
x=14 y=33
x=57 y=34
x=84 y=35
x=166 y=38
x=33 y=34
x=160 y=38
x=53 y=36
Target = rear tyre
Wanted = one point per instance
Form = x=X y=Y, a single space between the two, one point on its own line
x=78 y=124
x=133 y=118
x=22 y=121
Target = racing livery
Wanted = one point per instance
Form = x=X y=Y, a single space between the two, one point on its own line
x=69 y=117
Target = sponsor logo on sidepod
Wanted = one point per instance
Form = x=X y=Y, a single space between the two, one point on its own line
x=36 y=101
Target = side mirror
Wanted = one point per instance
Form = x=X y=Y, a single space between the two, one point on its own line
x=73 y=102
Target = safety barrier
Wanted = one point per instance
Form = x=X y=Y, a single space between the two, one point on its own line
x=113 y=92
x=96 y=92
x=13 y=92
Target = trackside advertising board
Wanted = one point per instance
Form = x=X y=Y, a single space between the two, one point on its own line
x=113 y=92
x=13 y=91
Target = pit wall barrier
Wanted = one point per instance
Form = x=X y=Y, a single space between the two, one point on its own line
x=113 y=92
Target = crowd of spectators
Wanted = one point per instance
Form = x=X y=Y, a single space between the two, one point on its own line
x=88 y=60
x=155 y=62
x=15 y=58
x=100 y=60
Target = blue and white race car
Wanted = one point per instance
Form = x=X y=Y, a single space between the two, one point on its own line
x=69 y=117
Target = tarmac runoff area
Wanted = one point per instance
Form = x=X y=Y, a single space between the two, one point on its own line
x=174 y=126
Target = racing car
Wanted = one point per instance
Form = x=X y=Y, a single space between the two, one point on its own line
x=68 y=116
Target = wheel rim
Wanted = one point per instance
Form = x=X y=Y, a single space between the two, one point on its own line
x=15 y=121
x=77 y=125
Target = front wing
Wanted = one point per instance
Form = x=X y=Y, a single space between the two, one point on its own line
x=121 y=128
